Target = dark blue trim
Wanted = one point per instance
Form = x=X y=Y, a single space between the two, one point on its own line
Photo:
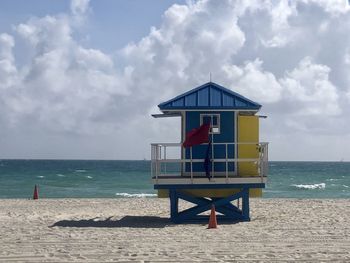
x=208 y=108
x=208 y=186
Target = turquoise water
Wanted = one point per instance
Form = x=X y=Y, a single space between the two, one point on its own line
x=67 y=178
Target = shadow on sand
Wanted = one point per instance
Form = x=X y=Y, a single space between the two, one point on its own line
x=126 y=221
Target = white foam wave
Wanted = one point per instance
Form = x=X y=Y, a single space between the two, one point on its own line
x=346 y=186
x=80 y=171
x=60 y=175
x=135 y=195
x=40 y=176
x=332 y=179
x=310 y=186
x=88 y=176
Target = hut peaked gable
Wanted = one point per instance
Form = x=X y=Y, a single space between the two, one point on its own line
x=209 y=96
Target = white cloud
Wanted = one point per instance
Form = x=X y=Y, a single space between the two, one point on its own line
x=7 y=43
x=289 y=56
x=280 y=31
x=79 y=10
x=8 y=70
x=347 y=57
x=189 y=44
x=334 y=7
x=309 y=91
x=254 y=82
x=79 y=7
x=65 y=87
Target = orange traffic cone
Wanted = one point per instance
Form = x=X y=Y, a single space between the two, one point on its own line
x=36 y=193
x=212 y=219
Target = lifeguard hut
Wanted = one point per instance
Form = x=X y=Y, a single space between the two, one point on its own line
x=231 y=165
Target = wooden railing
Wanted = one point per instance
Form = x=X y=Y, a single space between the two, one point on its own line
x=162 y=165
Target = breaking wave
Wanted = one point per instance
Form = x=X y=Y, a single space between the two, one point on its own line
x=135 y=195
x=310 y=186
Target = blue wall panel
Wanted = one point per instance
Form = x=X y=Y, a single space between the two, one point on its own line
x=215 y=97
x=226 y=136
x=240 y=103
x=191 y=100
x=179 y=102
x=203 y=97
x=227 y=101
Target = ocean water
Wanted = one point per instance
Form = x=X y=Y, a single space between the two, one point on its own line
x=84 y=179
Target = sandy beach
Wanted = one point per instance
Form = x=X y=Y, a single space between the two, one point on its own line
x=138 y=230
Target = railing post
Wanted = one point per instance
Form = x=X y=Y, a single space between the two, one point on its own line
x=262 y=162
x=151 y=160
x=267 y=158
x=160 y=152
x=235 y=156
x=212 y=157
x=157 y=159
x=165 y=159
x=191 y=165
x=226 y=164
x=258 y=162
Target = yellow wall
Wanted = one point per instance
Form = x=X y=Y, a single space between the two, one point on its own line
x=248 y=131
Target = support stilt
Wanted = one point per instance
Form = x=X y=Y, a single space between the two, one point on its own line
x=228 y=211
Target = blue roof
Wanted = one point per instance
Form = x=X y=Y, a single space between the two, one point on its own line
x=209 y=96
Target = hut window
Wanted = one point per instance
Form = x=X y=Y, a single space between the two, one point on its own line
x=213 y=119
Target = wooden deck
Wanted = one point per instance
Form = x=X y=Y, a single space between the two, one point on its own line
x=176 y=179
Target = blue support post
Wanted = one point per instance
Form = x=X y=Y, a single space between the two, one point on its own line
x=173 y=205
x=245 y=204
x=223 y=205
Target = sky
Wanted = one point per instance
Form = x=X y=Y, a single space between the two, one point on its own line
x=80 y=79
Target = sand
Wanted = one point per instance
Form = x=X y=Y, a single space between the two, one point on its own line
x=138 y=230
